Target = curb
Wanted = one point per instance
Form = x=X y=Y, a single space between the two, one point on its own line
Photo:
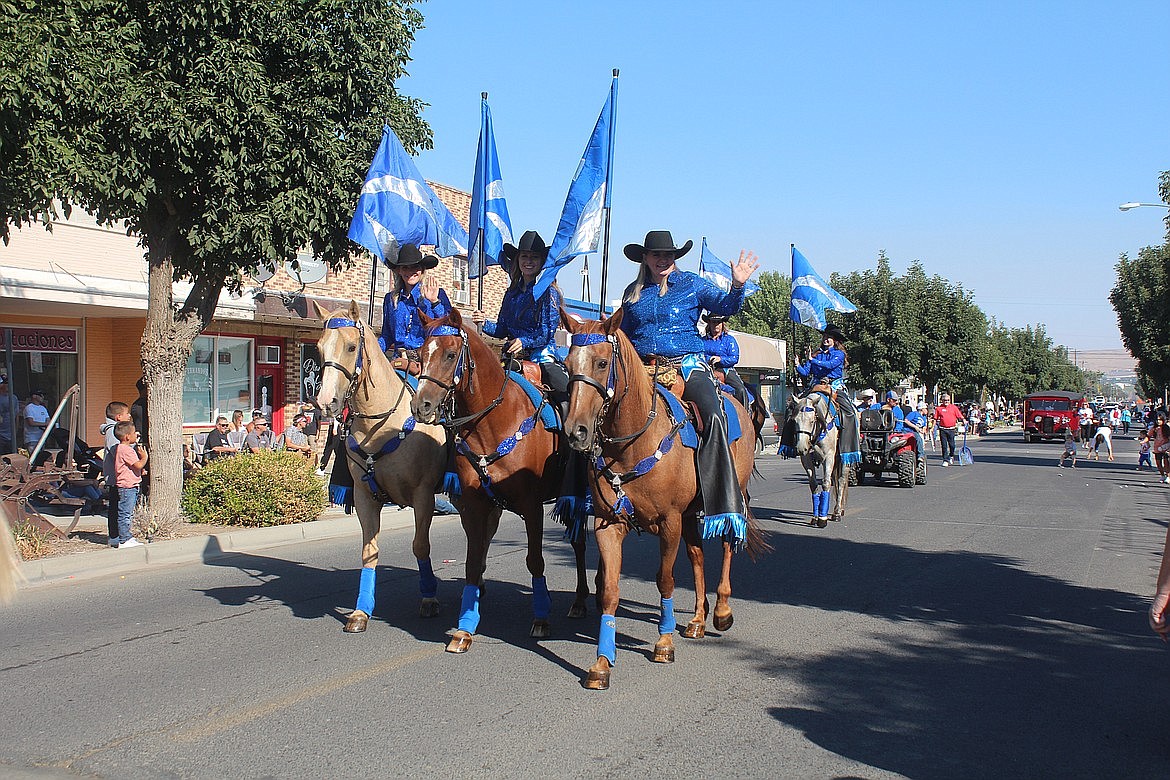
x=191 y=549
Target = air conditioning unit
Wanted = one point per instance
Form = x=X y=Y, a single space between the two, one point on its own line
x=269 y=355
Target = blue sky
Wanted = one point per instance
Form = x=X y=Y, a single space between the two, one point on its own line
x=993 y=141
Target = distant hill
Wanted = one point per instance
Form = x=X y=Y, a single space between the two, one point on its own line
x=1114 y=362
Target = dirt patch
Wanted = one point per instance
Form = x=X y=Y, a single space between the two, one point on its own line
x=88 y=540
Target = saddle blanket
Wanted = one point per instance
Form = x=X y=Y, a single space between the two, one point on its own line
x=548 y=415
x=411 y=380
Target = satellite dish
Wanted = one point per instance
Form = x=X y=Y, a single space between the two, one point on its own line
x=307 y=269
x=262 y=274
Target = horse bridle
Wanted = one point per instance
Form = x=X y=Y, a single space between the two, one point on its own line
x=609 y=388
x=464 y=364
x=355 y=377
x=824 y=424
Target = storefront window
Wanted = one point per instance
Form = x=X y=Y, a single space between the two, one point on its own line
x=219 y=379
x=42 y=359
x=460 y=287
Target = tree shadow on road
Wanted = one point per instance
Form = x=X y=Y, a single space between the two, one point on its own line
x=1021 y=675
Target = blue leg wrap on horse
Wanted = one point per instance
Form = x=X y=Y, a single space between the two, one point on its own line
x=469 y=609
x=607 y=638
x=666 y=622
x=428 y=584
x=541 y=601
x=826 y=501
x=816 y=502
x=365 y=600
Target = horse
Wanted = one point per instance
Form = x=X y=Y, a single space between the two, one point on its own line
x=506 y=458
x=817 y=440
x=391 y=456
x=643 y=478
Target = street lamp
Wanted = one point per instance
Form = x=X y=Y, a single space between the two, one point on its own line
x=1128 y=206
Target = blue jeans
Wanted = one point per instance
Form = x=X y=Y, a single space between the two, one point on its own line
x=127 y=500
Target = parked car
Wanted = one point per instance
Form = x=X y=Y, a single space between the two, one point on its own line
x=1048 y=413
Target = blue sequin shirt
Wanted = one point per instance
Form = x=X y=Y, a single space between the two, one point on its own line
x=826 y=365
x=726 y=348
x=402 y=328
x=666 y=325
x=533 y=322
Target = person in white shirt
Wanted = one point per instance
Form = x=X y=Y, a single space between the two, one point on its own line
x=1103 y=438
x=36 y=418
x=1085 y=420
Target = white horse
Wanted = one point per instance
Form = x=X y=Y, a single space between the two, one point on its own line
x=817 y=437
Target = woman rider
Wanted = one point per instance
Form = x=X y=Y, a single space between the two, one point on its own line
x=661 y=315
x=529 y=326
x=828 y=367
x=402 y=328
x=722 y=351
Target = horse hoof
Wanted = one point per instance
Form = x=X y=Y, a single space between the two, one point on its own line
x=597 y=680
x=722 y=623
x=577 y=611
x=540 y=630
x=836 y=517
x=663 y=655
x=695 y=630
x=460 y=642
x=357 y=622
x=428 y=608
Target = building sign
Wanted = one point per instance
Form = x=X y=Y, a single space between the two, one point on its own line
x=44 y=340
x=310 y=372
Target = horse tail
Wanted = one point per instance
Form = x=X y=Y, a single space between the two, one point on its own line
x=755 y=544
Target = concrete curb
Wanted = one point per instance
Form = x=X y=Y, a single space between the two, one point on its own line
x=333 y=523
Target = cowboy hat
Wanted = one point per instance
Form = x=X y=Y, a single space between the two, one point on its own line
x=529 y=242
x=657 y=241
x=713 y=318
x=834 y=333
x=409 y=255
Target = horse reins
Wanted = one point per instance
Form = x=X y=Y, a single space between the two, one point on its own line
x=462 y=363
x=607 y=391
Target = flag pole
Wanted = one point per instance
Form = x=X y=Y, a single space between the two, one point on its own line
x=792 y=350
x=608 y=196
x=373 y=288
x=483 y=176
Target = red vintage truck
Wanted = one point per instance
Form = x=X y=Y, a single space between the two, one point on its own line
x=1049 y=413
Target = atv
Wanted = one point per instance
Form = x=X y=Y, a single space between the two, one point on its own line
x=884 y=450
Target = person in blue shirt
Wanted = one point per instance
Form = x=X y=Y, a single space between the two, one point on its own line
x=413 y=292
x=896 y=410
x=916 y=421
x=529 y=326
x=828 y=365
x=722 y=351
x=660 y=315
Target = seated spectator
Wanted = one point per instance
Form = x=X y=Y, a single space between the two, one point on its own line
x=296 y=440
x=260 y=438
x=217 y=444
x=251 y=426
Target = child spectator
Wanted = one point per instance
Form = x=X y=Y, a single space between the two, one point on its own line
x=1070 y=449
x=1144 y=450
x=1161 y=446
x=129 y=460
x=116 y=412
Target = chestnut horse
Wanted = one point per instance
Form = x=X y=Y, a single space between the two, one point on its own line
x=649 y=482
x=505 y=457
x=396 y=459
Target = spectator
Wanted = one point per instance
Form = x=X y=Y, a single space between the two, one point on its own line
x=256 y=415
x=236 y=431
x=331 y=443
x=116 y=412
x=8 y=416
x=948 y=416
x=312 y=419
x=1070 y=449
x=139 y=412
x=1103 y=437
x=218 y=445
x=36 y=419
x=916 y=421
x=129 y=460
x=1085 y=421
x=296 y=440
x=260 y=438
x=1143 y=449
x=1161 y=446
x=1126 y=418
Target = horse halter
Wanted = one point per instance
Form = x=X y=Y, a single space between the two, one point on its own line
x=825 y=424
x=464 y=368
x=607 y=391
x=335 y=323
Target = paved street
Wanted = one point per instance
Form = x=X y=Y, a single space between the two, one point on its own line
x=990 y=623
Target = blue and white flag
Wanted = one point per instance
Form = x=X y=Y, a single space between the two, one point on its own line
x=812 y=296
x=397 y=207
x=488 y=208
x=718 y=272
x=589 y=196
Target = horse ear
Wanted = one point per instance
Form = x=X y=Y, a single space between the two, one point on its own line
x=455 y=318
x=568 y=321
x=611 y=325
x=424 y=319
x=321 y=313
x=355 y=312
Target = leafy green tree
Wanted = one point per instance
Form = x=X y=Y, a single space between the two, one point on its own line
x=1141 y=298
x=226 y=135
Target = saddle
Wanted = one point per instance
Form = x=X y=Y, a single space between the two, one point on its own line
x=409 y=364
x=667 y=375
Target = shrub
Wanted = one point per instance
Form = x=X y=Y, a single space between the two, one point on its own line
x=31 y=542
x=254 y=489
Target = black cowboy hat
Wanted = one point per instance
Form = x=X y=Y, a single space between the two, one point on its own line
x=714 y=318
x=834 y=333
x=657 y=241
x=529 y=242
x=409 y=254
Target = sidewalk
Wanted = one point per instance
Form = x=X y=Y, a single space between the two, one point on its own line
x=333 y=523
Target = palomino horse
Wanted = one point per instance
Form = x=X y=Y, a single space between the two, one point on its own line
x=506 y=459
x=642 y=478
x=390 y=456
x=817 y=433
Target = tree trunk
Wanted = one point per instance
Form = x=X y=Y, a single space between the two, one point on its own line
x=167 y=343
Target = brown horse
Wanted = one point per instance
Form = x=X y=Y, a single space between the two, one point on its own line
x=616 y=415
x=506 y=459
x=396 y=459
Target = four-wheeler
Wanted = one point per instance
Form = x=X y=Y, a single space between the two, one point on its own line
x=884 y=450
